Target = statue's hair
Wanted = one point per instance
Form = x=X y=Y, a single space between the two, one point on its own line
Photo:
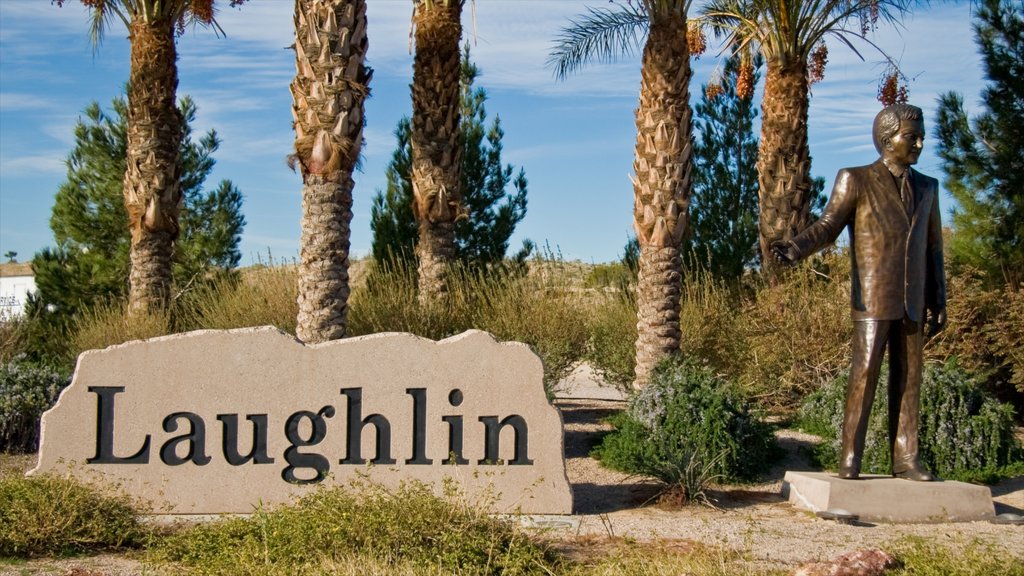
x=887 y=122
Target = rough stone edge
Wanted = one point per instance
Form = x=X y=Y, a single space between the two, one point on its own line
x=418 y=340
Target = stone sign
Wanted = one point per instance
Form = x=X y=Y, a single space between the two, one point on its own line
x=219 y=421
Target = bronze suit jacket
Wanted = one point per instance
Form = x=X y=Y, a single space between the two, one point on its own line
x=897 y=260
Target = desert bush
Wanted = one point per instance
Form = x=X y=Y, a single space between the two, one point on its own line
x=985 y=332
x=797 y=333
x=55 y=516
x=964 y=434
x=26 y=391
x=611 y=344
x=709 y=322
x=14 y=332
x=615 y=275
x=406 y=528
x=686 y=427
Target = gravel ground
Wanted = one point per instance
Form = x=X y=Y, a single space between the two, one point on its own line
x=754 y=520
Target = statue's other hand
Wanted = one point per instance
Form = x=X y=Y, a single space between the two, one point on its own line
x=784 y=252
x=936 y=321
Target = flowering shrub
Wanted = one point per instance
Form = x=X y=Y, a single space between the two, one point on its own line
x=965 y=434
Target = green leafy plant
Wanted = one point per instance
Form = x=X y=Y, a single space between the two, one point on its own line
x=964 y=433
x=687 y=427
x=26 y=391
x=55 y=516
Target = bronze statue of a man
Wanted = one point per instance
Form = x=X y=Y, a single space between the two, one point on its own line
x=892 y=212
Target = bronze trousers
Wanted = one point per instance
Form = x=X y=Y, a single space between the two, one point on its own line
x=904 y=339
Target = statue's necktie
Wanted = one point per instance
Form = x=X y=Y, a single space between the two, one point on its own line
x=907 y=193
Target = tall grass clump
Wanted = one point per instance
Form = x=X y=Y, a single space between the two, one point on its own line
x=708 y=321
x=965 y=434
x=57 y=516
x=543 y=313
x=26 y=391
x=687 y=427
x=408 y=530
x=258 y=296
x=926 y=557
x=536 y=309
x=110 y=323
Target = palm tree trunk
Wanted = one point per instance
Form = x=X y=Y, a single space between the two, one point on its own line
x=783 y=160
x=662 y=186
x=152 y=181
x=436 y=152
x=328 y=92
x=323 y=267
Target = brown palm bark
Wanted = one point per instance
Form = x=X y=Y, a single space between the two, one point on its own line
x=783 y=161
x=662 y=186
x=436 y=150
x=152 y=187
x=329 y=89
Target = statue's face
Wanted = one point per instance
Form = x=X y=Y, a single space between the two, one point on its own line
x=905 y=146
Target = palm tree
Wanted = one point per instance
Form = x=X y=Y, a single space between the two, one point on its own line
x=662 y=161
x=436 y=151
x=152 y=187
x=790 y=35
x=330 y=87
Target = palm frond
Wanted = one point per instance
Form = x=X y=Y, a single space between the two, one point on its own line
x=602 y=34
x=102 y=14
x=789 y=29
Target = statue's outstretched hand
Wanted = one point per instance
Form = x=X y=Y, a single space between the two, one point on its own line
x=784 y=252
x=936 y=321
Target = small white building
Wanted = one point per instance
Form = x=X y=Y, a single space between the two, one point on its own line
x=16 y=283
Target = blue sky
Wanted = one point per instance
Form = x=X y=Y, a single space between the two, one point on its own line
x=574 y=138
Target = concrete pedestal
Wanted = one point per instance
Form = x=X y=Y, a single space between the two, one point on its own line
x=886 y=499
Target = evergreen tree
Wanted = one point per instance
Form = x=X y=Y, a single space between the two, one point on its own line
x=983 y=158
x=90 y=225
x=723 y=209
x=492 y=209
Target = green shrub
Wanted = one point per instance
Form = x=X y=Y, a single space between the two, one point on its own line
x=964 y=433
x=686 y=427
x=26 y=391
x=409 y=527
x=54 y=516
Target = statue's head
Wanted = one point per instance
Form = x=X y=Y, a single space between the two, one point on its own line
x=887 y=123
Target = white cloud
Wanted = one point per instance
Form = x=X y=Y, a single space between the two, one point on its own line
x=52 y=163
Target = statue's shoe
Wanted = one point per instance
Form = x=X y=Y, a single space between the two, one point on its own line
x=915 y=473
x=849 y=473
